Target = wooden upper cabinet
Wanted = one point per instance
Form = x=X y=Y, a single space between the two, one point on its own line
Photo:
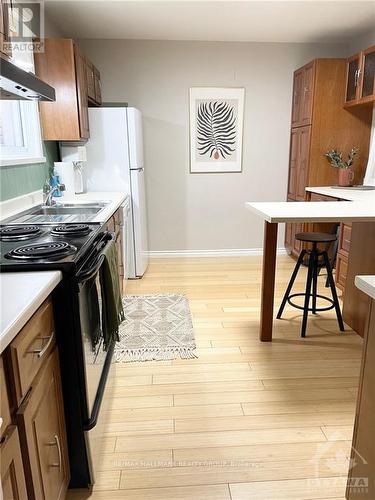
x=352 y=79
x=318 y=96
x=98 y=86
x=367 y=80
x=297 y=94
x=66 y=119
x=360 y=78
x=303 y=163
x=321 y=106
x=81 y=82
x=293 y=163
x=307 y=94
x=94 y=90
x=62 y=66
x=303 y=94
x=90 y=80
x=298 y=163
x=41 y=425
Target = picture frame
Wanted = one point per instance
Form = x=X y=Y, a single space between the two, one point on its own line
x=216 y=129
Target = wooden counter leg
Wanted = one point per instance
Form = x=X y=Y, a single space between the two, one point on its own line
x=268 y=281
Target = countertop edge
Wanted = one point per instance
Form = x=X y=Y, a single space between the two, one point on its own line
x=267 y=210
x=345 y=194
x=366 y=284
x=9 y=333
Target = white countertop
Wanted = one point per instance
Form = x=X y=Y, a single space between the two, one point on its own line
x=21 y=295
x=14 y=206
x=344 y=194
x=366 y=284
x=361 y=209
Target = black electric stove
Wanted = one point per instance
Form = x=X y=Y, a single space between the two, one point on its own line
x=45 y=247
x=77 y=251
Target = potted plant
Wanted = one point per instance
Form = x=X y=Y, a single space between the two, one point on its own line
x=346 y=174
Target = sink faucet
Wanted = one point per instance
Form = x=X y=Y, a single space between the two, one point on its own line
x=47 y=195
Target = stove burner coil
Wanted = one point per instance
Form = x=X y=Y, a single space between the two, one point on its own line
x=18 y=233
x=42 y=251
x=71 y=230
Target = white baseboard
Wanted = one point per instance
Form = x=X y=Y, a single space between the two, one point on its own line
x=230 y=252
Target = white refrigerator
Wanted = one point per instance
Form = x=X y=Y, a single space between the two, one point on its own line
x=115 y=163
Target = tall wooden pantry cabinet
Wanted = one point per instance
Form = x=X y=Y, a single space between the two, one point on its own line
x=320 y=122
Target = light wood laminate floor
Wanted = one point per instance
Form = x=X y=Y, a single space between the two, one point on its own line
x=246 y=420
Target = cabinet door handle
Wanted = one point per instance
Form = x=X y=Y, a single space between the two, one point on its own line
x=43 y=350
x=56 y=443
x=356 y=77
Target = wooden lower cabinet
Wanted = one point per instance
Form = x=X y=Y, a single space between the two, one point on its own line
x=12 y=472
x=34 y=453
x=360 y=261
x=361 y=479
x=293 y=246
x=341 y=271
x=41 y=424
x=343 y=255
x=115 y=226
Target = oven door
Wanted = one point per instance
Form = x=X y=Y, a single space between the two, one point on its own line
x=97 y=362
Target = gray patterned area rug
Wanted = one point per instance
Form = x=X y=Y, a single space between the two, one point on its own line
x=156 y=327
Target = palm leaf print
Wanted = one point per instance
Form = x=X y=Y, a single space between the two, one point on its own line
x=216 y=129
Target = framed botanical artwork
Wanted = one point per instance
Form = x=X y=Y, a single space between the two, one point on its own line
x=216 y=128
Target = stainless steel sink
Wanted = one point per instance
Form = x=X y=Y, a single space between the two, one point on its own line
x=55 y=210
x=58 y=213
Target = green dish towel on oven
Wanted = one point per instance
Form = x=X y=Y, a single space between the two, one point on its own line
x=112 y=310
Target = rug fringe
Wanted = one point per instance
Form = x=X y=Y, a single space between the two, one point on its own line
x=152 y=354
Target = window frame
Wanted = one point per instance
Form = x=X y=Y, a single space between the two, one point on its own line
x=32 y=150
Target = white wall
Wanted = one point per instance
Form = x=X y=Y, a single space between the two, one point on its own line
x=206 y=211
x=361 y=42
x=50 y=28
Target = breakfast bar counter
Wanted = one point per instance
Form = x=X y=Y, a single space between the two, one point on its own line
x=360 y=211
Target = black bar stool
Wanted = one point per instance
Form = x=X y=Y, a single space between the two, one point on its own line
x=316 y=260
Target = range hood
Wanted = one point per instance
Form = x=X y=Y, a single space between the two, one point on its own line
x=16 y=83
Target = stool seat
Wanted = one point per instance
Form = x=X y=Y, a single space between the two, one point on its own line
x=316 y=237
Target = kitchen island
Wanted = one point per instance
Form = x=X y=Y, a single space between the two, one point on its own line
x=359 y=210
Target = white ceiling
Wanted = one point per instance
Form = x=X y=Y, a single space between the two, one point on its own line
x=255 y=21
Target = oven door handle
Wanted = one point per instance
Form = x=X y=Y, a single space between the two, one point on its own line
x=86 y=275
x=92 y=421
x=94 y=268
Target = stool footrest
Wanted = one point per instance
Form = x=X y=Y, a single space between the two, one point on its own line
x=317 y=309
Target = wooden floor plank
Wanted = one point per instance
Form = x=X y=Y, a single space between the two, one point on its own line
x=274 y=452
x=210 y=474
x=331 y=419
x=209 y=492
x=219 y=438
x=294 y=489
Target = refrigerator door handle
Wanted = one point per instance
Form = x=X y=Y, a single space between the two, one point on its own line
x=140 y=169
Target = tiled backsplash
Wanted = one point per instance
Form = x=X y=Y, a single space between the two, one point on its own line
x=17 y=180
